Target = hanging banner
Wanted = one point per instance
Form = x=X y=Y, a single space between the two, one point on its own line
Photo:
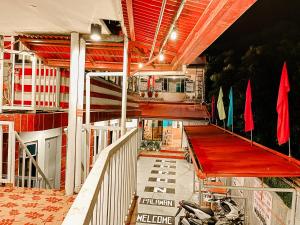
x=262 y=204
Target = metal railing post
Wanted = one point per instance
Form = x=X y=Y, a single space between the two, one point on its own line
x=40 y=82
x=11 y=146
x=58 y=83
x=88 y=122
x=33 y=83
x=23 y=80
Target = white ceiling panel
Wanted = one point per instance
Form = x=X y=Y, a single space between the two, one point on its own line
x=55 y=16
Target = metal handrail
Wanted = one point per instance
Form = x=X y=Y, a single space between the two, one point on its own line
x=115 y=169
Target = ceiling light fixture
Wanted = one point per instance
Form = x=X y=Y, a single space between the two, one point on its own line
x=174 y=35
x=161 y=57
x=141 y=65
x=95 y=32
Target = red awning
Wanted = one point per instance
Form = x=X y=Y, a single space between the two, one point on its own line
x=221 y=154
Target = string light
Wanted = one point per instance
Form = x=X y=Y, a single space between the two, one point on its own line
x=141 y=65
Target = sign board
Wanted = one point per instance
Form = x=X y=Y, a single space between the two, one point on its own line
x=157 y=202
x=262 y=204
x=155 y=219
x=189 y=86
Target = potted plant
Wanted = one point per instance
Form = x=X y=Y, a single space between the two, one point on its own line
x=143 y=94
x=156 y=94
x=150 y=93
x=157 y=146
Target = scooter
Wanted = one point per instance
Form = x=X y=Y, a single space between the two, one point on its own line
x=231 y=211
x=195 y=215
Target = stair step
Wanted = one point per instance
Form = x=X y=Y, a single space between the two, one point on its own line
x=171 y=151
x=165 y=155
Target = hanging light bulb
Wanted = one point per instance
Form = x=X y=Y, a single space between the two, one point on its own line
x=141 y=65
x=95 y=32
x=161 y=57
x=174 y=35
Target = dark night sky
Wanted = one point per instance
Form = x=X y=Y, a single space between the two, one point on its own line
x=264 y=14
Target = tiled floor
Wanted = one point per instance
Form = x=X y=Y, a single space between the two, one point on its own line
x=162 y=183
x=19 y=206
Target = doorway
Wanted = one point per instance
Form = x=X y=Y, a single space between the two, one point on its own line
x=50 y=159
x=172 y=133
x=27 y=175
x=168 y=132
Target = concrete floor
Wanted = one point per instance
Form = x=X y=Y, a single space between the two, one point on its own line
x=162 y=183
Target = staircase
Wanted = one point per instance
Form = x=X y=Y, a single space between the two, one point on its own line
x=166 y=153
x=33 y=206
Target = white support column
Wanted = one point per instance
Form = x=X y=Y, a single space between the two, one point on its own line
x=71 y=148
x=124 y=87
x=87 y=122
x=1 y=73
x=80 y=95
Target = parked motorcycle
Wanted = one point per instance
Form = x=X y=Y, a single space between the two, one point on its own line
x=231 y=211
x=196 y=215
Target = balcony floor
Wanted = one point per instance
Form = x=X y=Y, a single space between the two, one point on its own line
x=162 y=183
x=33 y=206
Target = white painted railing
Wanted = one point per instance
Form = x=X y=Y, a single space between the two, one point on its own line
x=18 y=172
x=108 y=192
x=26 y=178
x=27 y=84
x=101 y=138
